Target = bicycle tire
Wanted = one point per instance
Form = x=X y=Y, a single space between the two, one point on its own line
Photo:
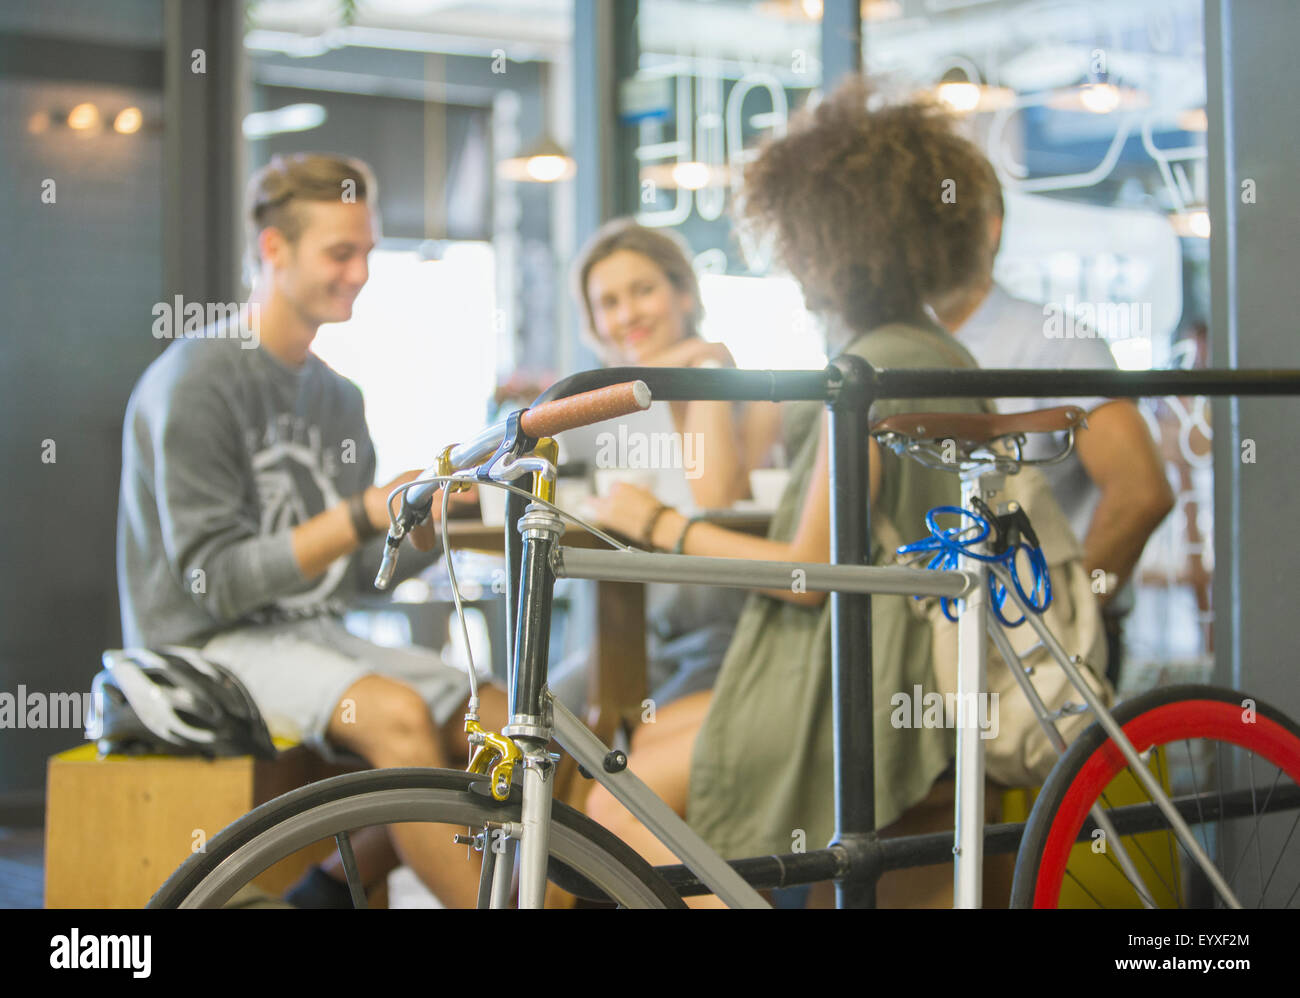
x=583 y=853
x=1163 y=717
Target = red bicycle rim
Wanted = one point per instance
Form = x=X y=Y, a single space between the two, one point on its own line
x=1183 y=719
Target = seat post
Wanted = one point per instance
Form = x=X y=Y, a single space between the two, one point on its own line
x=972 y=644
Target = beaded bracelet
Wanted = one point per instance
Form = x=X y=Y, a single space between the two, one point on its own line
x=647 y=537
x=680 y=546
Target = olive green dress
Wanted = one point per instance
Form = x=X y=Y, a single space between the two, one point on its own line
x=762 y=773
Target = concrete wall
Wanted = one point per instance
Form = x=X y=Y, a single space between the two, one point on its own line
x=78 y=278
x=1254 y=118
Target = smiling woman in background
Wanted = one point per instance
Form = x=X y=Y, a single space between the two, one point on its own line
x=641 y=302
x=641 y=305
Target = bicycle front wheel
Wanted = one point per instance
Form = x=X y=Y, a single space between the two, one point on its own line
x=282 y=826
x=1226 y=761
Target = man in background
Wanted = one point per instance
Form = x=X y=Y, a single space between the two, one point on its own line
x=247 y=487
x=1113 y=486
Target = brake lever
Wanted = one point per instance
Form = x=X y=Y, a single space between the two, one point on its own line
x=388 y=565
x=407 y=519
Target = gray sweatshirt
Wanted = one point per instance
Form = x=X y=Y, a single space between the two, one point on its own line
x=224 y=451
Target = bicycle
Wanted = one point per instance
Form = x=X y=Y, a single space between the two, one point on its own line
x=504 y=797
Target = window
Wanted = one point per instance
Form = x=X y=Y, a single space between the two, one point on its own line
x=422 y=347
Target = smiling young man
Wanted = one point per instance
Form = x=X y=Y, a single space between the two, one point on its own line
x=247 y=489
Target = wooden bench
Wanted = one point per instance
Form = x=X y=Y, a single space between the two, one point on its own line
x=117 y=827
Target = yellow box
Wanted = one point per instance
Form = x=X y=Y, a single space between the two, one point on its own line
x=117 y=827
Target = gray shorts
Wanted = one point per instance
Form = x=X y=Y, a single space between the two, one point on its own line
x=298 y=671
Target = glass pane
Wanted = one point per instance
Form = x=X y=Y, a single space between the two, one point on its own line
x=434 y=97
x=712 y=80
x=1094 y=116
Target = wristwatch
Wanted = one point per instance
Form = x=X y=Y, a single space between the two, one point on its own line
x=360 y=518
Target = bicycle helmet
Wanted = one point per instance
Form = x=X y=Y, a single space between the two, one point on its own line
x=172 y=701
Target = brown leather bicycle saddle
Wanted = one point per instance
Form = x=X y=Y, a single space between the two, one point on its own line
x=981 y=427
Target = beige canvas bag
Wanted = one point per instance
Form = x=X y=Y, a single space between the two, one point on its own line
x=1020 y=754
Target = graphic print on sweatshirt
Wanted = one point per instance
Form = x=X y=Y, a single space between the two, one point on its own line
x=295 y=481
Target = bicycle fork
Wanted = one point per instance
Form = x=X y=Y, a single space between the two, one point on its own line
x=531 y=723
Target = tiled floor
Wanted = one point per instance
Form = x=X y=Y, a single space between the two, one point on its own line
x=22 y=868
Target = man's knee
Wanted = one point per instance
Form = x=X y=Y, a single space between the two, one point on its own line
x=386 y=722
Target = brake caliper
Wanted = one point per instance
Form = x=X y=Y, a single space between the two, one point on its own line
x=494 y=754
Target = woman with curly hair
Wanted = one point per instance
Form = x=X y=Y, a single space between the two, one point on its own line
x=875 y=210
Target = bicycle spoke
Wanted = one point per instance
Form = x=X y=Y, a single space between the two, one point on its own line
x=1259 y=856
x=1281 y=853
x=1196 y=790
x=484 y=873
x=1173 y=858
x=1293 y=894
x=1189 y=874
x=1254 y=836
x=1258 y=810
x=1084 y=889
x=1142 y=892
x=1151 y=863
x=1141 y=889
x=1218 y=845
x=350 y=870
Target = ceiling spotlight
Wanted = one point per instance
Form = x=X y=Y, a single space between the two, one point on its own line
x=963 y=92
x=692 y=176
x=545 y=162
x=83 y=117
x=1099 y=98
x=1194 y=223
x=689 y=176
x=546 y=169
x=128 y=121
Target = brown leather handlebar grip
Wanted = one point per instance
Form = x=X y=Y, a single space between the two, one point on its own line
x=559 y=415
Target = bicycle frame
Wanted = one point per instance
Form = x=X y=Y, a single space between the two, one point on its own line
x=535 y=717
x=849 y=386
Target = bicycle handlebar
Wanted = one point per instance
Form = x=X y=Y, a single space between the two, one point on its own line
x=554 y=417
x=594 y=406
x=543 y=420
